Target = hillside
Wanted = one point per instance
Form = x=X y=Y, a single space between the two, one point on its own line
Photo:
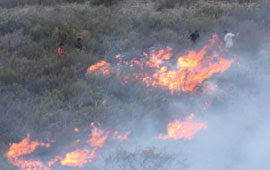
x=40 y=95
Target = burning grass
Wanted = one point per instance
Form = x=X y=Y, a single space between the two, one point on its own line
x=153 y=70
x=39 y=94
x=18 y=153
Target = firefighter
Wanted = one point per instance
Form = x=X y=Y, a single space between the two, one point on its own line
x=194 y=36
x=60 y=51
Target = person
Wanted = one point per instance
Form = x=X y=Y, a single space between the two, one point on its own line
x=78 y=44
x=60 y=51
x=194 y=36
x=229 y=39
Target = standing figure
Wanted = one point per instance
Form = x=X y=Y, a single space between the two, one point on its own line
x=60 y=51
x=78 y=44
x=229 y=39
x=194 y=36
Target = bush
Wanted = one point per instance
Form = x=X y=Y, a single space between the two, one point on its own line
x=9 y=77
x=105 y=2
x=139 y=160
x=39 y=92
x=163 y=4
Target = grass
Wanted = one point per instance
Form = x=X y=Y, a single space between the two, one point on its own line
x=39 y=94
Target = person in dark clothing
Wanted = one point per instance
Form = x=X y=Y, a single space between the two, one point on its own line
x=78 y=44
x=194 y=36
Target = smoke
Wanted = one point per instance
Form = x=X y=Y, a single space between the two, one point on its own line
x=234 y=104
x=237 y=134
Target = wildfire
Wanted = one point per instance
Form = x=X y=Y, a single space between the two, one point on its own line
x=25 y=147
x=99 y=68
x=97 y=137
x=178 y=130
x=184 y=75
x=22 y=148
x=155 y=69
x=77 y=158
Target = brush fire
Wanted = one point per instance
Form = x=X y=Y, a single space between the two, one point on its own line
x=20 y=154
x=154 y=69
x=186 y=130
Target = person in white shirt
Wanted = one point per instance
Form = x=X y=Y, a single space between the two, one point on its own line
x=229 y=39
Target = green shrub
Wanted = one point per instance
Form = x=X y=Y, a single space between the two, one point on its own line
x=78 y=94
x=144 y=159
x=105 y=2
x=37 y=91
x=8 y=77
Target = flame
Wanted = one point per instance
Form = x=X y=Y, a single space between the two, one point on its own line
x=97 y=137
x=76 y=130
x=25 y=147
x=54 y=160
x=24 y=164
x=177 y=130
x=101 y=67
x=191 y=116
x=22 y=148
x=157 y=57
x=184 y=75
x=78 y=158
x=124 y=137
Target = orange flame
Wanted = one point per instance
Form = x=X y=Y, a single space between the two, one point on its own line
x=26 y=146
x=191 y=70
x=22 y=148
x=188 y=72
x=101 y=67
x=76 y=130
x=157 y=58
x=191 y=116
x=78 y=158
x=177 y=130
x=30 y=165
x=97 y=137
x=116 y=136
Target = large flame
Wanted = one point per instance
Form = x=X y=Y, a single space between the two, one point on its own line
x=18 y=153
x=186 y=130
x=25 y=147
x=153 y=69
x=78 y=158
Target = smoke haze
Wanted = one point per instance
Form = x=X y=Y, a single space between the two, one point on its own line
x=234 y=104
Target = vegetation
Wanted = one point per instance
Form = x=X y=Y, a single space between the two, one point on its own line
x=39 y=94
